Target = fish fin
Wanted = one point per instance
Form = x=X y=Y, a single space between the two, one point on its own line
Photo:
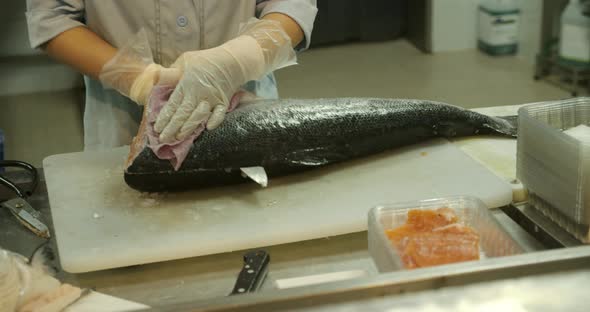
x=507 y=125
x=257 y=174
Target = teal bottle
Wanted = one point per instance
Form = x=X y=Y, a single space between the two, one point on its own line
x=498 y=26
x=574 y=41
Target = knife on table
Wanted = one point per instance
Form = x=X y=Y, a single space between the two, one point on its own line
x=253 y=272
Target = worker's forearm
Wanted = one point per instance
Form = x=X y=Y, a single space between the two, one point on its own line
x=290 y=26
x=82 y=49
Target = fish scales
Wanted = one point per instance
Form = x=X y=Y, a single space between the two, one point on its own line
x=291 y=135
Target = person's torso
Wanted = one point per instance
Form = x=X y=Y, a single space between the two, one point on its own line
x=173 y=26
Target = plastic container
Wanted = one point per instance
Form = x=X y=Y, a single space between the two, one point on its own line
x=494 y=241
x=498 y=27
x=551 y=164
x=574 y=43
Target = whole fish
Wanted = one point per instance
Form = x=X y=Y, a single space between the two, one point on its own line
x=292 y=135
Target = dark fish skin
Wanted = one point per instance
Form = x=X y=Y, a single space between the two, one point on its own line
x=292 y=135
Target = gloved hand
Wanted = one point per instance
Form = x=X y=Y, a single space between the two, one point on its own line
x=28 y=287
x=133 y=72
x=210 y=77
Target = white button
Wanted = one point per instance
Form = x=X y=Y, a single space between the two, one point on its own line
x=182 y=21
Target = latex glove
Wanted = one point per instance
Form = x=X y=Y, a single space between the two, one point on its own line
x=210 y=77
x=133 y=72
x=28 y=287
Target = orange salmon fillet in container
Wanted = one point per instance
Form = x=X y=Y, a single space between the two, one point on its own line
x=434 y=232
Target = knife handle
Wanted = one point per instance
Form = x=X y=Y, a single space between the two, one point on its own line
x=253 y=272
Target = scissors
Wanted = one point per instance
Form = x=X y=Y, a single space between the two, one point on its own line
x=18 y=205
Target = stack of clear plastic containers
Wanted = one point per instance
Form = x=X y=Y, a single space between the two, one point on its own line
x=553 y=165
x=472 y=212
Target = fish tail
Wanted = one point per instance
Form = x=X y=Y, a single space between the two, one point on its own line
x=507 y=125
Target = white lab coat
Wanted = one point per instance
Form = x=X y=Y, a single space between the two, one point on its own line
x=173 y=27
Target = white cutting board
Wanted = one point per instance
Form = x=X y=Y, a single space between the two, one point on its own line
x=101 y=223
